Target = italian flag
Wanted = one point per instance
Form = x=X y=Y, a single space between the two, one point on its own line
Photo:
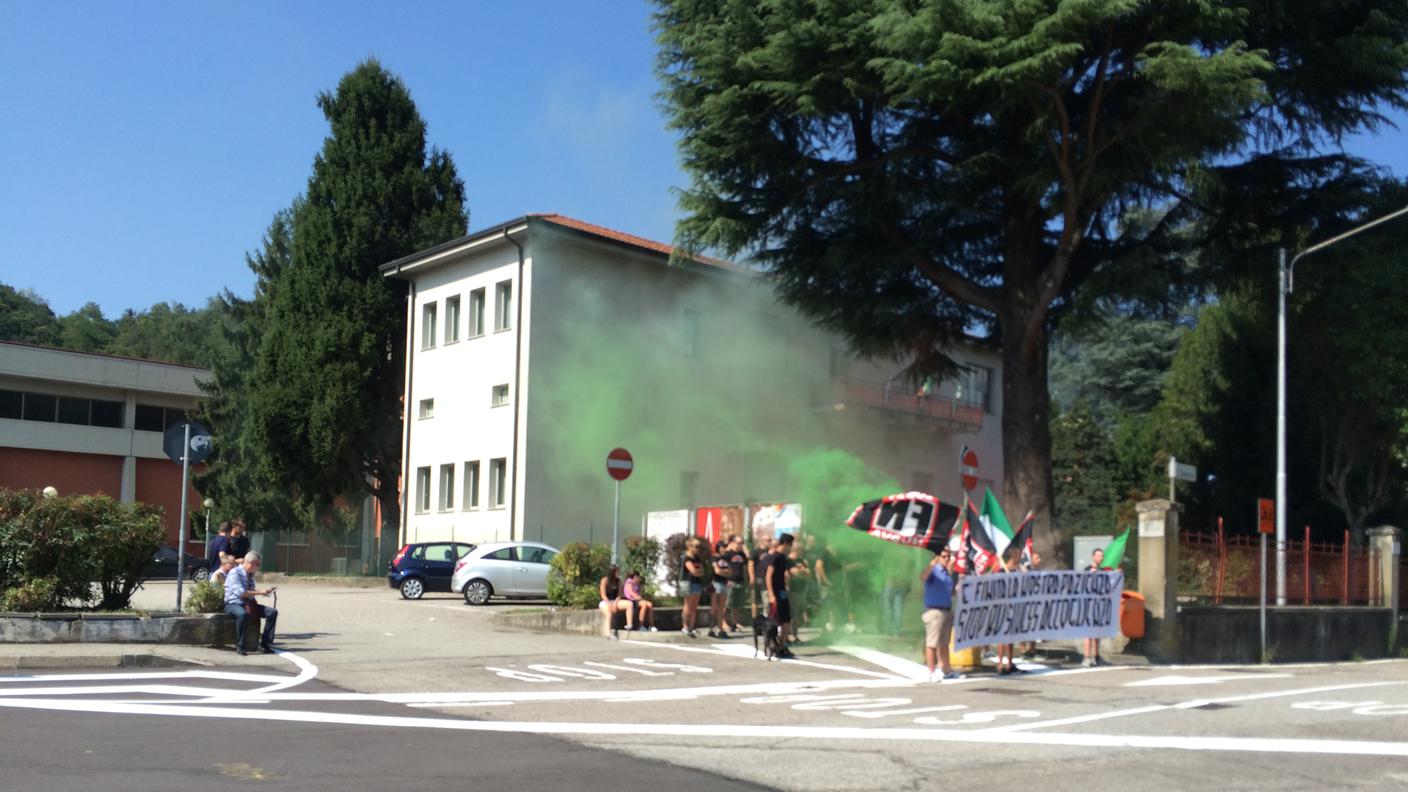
x=995 y=523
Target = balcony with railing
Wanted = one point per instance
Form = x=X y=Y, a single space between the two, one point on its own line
x=896 y=402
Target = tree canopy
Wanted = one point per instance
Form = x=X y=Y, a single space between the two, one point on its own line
x=324 y=394
x=909 y=171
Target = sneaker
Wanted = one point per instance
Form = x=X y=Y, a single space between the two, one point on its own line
x=685 y=630
x=723 y=635
x=1087 y=663
x=614 y=636
x=266 y=649
x=952 y=675
x=691 y=633
x=934 y=676
x=1004 y=671
x=785 y=655
x=1100 y=661
x=713 y=633
x=652 y=628
x=239 y=650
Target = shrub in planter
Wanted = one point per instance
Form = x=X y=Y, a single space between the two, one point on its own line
x=74 y=540
x=575 y=572
x=642 y=555
x=35 y=596
x=206 y=597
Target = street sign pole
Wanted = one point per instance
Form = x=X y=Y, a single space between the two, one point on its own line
x=185 y=489
x=616 y=522
x=1266 y=513
x=1263 y=598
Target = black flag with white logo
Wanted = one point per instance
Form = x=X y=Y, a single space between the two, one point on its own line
x=909 y=518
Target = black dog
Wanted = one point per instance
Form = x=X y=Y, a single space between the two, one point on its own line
x=766 y=629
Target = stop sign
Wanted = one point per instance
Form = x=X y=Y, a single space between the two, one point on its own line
x=619 y=464
x=968 y=468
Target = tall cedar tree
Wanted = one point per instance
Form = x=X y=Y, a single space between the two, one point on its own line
x=239 y=478
x=325 y=395
x=909 y=170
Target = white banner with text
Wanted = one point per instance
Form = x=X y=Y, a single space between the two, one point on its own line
x=1013 y=607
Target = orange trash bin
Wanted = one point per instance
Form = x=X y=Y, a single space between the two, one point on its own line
x=1132 y=614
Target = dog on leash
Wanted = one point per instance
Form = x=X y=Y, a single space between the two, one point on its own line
x=765 y=630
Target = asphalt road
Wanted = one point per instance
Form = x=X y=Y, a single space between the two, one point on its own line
x=373 y=688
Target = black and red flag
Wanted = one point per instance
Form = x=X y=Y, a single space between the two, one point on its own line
x=976 y=552
x=908 y=518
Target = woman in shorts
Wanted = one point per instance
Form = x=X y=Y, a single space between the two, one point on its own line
x=691 y=583
x=611 y=603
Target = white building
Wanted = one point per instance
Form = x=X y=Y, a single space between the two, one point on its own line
x=537 y=346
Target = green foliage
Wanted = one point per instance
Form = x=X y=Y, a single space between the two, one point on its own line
x=575 y=574
x=74 y=540
x=1083 y=472
x=26 y=317
x=641 y=554
x=907 y=172
x=206 y=596
x=323 y=399
x=34 y=596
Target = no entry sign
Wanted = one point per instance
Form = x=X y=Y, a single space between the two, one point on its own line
x=968 y=467
x=619 y=464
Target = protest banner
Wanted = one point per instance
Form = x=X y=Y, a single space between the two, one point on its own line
x=1009 y=608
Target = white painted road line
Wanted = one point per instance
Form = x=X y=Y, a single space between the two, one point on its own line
x=895 y=665
x=1183 y=681
x=1194 y=704
x=750 y=733
x=746 y=652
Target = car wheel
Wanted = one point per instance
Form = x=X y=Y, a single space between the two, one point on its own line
x=477 y=592
x=200 y=574
x=412 y=588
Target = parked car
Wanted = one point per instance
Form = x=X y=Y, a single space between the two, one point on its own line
x=163 y=565
x=425 y=566
x=503 y=569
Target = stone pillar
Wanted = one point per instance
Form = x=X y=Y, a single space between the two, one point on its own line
x=1158 y=575
x=1388 y=542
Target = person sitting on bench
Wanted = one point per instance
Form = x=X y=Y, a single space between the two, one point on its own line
x=239 y=602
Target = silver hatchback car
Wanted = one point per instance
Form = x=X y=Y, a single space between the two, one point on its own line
x=503 y=569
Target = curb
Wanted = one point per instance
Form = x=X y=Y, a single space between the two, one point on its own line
x=92 y=661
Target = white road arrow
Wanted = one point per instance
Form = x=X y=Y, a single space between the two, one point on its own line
x=1178 y=681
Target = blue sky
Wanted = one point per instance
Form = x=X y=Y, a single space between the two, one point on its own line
x=145 y=146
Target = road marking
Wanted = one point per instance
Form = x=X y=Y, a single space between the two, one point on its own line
x=748 y=732
x=1359 y=707
x=895 y=665
x=745 y=652
x=1176 y=680
x=1193 y=704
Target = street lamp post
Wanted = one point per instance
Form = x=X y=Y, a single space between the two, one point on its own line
x=1286 y=275
x=209 y=504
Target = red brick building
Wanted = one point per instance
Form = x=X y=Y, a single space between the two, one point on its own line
x=84 y=422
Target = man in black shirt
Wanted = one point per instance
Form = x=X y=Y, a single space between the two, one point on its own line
x=779 y=607
x=239 y=541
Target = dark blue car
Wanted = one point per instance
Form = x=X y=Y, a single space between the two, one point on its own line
x=423 y=567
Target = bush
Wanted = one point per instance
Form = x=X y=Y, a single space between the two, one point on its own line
x=575 y=574
x=643 y=556
x=674 y=555
x=74 y=540
x=35 y=596
x=206 y=597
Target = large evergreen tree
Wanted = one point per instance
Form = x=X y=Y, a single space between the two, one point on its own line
x=908 y=170
x=325 y=392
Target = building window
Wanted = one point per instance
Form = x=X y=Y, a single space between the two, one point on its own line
x=447 y=487
x=689 y=334
x=428 y=318
x=427 y=409
x=18 y=405
x=498 y=472
x=471 y=485
x=422 y=490
x=476 y=313
x=11 y=404
x=689 y=481
x=975 y=387
x=40 y=407
x=503 y=301
x=452 y=319
x=107 y=413
x=500 y=397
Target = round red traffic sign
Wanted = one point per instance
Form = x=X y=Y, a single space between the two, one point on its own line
x=968 y=467
x=619 y=464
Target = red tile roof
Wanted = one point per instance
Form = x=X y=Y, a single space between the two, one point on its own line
x=627 y=239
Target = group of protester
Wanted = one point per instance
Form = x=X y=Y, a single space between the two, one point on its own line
x=233 y=566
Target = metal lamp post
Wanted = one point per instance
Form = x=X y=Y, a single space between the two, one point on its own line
x=1286 y=274
x=208 y=503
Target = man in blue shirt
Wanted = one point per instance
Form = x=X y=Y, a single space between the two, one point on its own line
x=220 y=544
x=938 y=615
x=239 y=591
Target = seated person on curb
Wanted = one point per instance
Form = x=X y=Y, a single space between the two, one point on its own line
x=645 y=609
x=239 y=602
x=610 y=591
x=227 y=562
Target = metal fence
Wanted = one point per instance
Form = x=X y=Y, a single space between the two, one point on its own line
x=1218 y=569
